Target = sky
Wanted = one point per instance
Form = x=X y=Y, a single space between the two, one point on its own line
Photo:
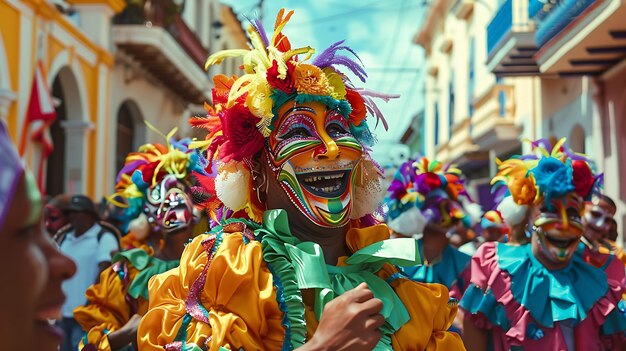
x=381 y=32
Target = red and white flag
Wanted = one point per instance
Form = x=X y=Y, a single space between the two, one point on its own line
x=39 y=117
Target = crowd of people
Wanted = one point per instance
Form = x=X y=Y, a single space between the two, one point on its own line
x=275 y=233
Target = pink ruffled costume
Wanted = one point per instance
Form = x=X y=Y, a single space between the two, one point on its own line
x=523 y=304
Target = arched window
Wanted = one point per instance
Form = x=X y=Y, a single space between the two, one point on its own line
x=65 y=166
x=55 y=175
x=130 y=132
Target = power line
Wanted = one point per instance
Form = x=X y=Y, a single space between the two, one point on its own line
x=342 y=15
x=394 y=36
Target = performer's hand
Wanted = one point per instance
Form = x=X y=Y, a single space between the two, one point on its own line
x=349 y=322
x=126 y=335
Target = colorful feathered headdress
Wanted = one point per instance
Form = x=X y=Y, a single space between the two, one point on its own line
x=547 y=173
x=151 y=163
x=417 y=193
x=244 y=110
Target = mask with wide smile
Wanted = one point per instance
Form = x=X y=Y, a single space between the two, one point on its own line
x=559 y=228
x=168 y=205
x=314 y=157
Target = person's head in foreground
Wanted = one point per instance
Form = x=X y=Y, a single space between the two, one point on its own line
x=32 y=268
x=428 y=197
x=598 y=217
x=549 y=187
x=493 y=226
x=291 y=133
x=161 y=187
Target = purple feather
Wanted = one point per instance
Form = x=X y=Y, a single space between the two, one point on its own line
x=499 y=192
x=528 y=157
x=258 y=26
x=350 y=64
x=376 y=94
x=572 y=155
x=329 y=58
x=373 y=109
x=542 y=142
x=129 y=167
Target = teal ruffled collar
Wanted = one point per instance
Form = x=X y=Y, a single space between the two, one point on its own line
x=148 y=267
x=300 y=265
x=551 y=295
x=446 y=272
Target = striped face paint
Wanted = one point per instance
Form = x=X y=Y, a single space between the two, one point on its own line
x=559 y=228
x=314 y=157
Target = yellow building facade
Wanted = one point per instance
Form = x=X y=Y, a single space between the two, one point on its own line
x=111 y=65
x=36 y=30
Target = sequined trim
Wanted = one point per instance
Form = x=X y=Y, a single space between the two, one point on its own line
x=193 y=306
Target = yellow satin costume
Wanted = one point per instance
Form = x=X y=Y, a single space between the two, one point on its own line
x=120 y=293
x=229 y=293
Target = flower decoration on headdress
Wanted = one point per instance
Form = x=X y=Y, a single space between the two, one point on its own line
x=244 y=108
x=419 y=193
x=492 y=219
x=151 y=163
x=547 y=174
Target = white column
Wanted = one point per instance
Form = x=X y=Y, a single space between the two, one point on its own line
x=75 y=143
x=95 y=21
x=101 y=143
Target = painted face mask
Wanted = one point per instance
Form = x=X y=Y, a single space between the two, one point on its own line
x=598 y=218
x=54 y=219
x=168 y=205
x=559 y=228
x=314 y=157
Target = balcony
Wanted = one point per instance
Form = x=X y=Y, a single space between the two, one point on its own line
x=581 y=37
x=511 y=38
x=493 y=122
x=159 y=40
x=460 y=146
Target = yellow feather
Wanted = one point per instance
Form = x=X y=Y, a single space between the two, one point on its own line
x=238 y=88
x=218 y=57
x=557 y=147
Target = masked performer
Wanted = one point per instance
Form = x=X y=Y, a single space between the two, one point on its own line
x=161 y=183
x=303 y=266
x=542 y=296
x=597 y=245
x=427 y=197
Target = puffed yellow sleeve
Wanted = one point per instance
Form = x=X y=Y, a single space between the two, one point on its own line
x=431 y=315
x=107 y=310
x=231 y=303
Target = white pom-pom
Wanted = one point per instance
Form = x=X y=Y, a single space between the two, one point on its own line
x=367 y=196
x=232 y=185
x=512 y=213
x=139 y=227
x=409 y=223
